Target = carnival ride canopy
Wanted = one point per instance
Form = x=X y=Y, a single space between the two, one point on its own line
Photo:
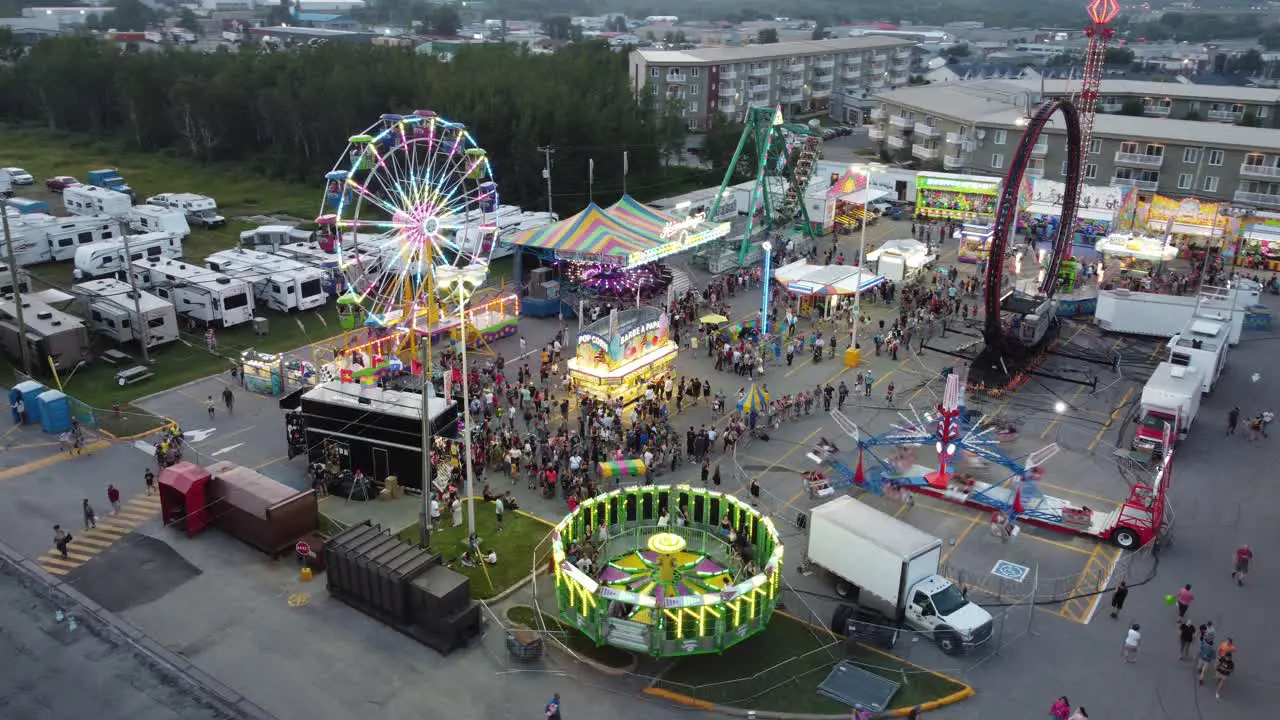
x=804 y=279
x=755 y=401
x=627 y=233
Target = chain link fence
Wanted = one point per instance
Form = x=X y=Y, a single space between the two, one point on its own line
x=118 y=422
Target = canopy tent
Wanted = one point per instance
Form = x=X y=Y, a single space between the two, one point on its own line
x=1151 y=249
x=864 y=196
x=802 y=278
x=755 y=401
x=898 y=260
x=628 y=233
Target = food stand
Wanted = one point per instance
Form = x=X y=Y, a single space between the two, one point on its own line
x=275 y=374
x=1186 y=221
x=618 y=355
x=819 y=288
x=975 y=242
x=947 y=196
x=1258 y=243
x=900 y=260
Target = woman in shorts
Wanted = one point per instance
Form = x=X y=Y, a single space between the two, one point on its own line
x=1226 y=666
x=1243 y=557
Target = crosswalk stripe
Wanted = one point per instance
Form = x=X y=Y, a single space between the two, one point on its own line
x=134 y=515
x=108 y=533
x=144 y=503
x=54 y=570
x=97 y=541
x=113 y=524
x=57 y=559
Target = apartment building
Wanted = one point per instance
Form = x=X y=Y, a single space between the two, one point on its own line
x=975 y=128
x=1173 y=100
x=798 y=76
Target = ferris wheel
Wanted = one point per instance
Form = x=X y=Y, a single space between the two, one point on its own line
x=413 y=196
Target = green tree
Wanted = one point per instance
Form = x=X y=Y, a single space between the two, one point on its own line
x=1250 y=119
x=1270 y=38
x=767 y=36
x=959 y=50
x=1133 y=106
x=129 y=15
x=443 y=20
x=819 y=32
x=617 y=24
x=1248 y=63
x=188 y=20
x=719 y=144
x=558 y=27
x=1119 y=56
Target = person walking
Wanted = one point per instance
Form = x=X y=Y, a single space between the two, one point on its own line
x=90 y=517
x=113 y=497
x=1204 y=660
x=1226 y=666
x=755 y=493
x=1117 y=599
x=1233 y=419
x=1132 y=639
x=498 y=507
x=228 y=398
x=149 y=478
x=1244 y=556
x=1060 y=709
x=61 y=538
x=1186 y=633
x=1184 y=597
x=209 y=406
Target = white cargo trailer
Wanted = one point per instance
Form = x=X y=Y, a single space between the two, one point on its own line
x=196 y=292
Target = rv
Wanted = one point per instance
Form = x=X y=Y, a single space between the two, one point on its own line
x=112 y=308
x=280 y=283
x=199 y=209
x=355 y=265
x=93 y=200
x=105 y=258
x=153 y=218
x=268 y=238
x=51 y=333
x=38 y=239
x=6 y=281
x=196 y=292
x=1202 y=345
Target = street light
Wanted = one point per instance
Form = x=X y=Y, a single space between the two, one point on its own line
x=866 y=170
x=460 y=284
x=764 y=303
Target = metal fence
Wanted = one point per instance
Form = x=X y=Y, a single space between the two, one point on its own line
x=118 y=421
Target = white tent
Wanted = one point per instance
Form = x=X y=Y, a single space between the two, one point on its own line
x=898 y=260
x=1152 y=249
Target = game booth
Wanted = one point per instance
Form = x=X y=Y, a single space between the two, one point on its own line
x=273 y=375
x=841 y=205
x=1257 y=245
x=1186 y=222
x=947 y=196
x=1100 y=211
x=618 y=355
x=900 y=260
x=1136 y=253
x=819 y=289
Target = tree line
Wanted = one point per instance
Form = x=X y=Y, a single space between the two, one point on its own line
x=288 y=114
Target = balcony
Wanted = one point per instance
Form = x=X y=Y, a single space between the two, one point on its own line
x=899 y=79
x=793 y=97
x=728 y=76
x=820 y=93
x=759 y=89
x=902 y=123
x=1161 y=110
x=728 y=91
x=1139 y=159
x=1259 y=171
x=928 y=131
x=851 y=74
x=1226 y=115
x=1035 y=168
x=955 y=138
x=879 y=68
x=758 y=103
x=759 y=72
x=878 y=114
x=876 y=132
x=880 y=57
x=826 y=64
x=1109 y=106
x=1253 y=198
x=677 y=78
x=853 y=61
x=924 y=152
x=876 y=84
x=896 y=142
x=793 y=66
x=792 y=83
x=729 y=109
x=822 y=76
x=1040 y=149
x=1148 y=185
x=952 y=162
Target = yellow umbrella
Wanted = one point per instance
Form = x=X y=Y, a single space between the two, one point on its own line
x=713 y=319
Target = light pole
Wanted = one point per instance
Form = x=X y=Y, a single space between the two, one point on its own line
x=461 y=283
x=865 y=170
x=767 y=284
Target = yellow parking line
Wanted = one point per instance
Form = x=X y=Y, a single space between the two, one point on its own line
x=91 y=540
x=796 y=368
x=134 y=515
x=54 y=555
x=1080 y=582
x=960 y=538
x=1079 y=493
x=1055 y=543
x=803 y=443
x=48 y=460
x=1058 y=416
x=1112 y=418
x=54 y=570
x=109 y=533
x=1091 y=606
x=57 y=560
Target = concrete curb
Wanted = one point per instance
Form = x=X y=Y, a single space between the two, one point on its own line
x=168 y=422
x=602 y=669
x=119 y=631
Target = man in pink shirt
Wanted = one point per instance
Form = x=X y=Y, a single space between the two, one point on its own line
x=1184 y=598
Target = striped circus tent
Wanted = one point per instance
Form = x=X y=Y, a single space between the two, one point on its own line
x=755 y=401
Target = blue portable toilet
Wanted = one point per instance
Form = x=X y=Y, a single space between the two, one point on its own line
x=28 y=390
x=55 y=411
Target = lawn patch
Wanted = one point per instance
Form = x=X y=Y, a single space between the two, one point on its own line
x=780 y=669
x=514 y=545
x=606 y=655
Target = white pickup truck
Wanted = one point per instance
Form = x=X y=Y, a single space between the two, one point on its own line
x=886 y=565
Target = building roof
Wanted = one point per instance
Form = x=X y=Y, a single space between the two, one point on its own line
x=1001 y=103
x=771 y=51
x=1189 y=91
x=319 y=17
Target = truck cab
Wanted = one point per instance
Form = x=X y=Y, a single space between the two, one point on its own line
x=1170 y=398
x=110 y=179
x=937 y=606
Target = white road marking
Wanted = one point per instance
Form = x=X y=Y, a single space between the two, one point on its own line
x=196 y=436
x=144 y=446
x=216 y=453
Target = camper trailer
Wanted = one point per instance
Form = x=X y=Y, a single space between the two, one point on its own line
x=280 y=283
x=269 y=238
x=199 y=210
x=48 y=239
x=112 y=309
x=93 y=200
x=105 y=258
x=51 y=333
x=153 y=218
x=6 y=281
x=356 y=265
x=196 y=292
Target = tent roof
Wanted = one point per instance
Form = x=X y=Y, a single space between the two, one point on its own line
x=183 y=476
x=590 y=235
x=905 y=246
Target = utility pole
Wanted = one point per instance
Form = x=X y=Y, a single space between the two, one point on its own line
x=17 y=290
x=547 y=151
x=139 y=323
x=424 y=517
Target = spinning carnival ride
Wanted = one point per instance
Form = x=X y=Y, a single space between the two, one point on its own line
x=417 y=192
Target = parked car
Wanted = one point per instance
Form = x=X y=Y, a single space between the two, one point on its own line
x=60 y=182
x=18 y=176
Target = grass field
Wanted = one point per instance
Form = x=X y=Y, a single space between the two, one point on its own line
x=514 y=545
x=606 y=655
x=780 y=669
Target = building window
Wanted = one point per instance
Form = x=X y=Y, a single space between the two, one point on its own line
x=1215 y=158
x=691 y=107
x=1261 y=112
x=1210 y=183
x=1129 y=147
x=1185 y=181
x=1066 y=167
x=999 y=139
x=997 y=160
x=1090 y=172
x=693 y=89
x=1191 y=156
x=1095 y=146
x=654 y=72
x=653 y=89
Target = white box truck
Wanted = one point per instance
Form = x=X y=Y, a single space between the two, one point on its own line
x=1170 y=397
x=1159 y=315
x=1202 y=344
x=112 y=309
x=109 y=257
x=93 y=200
x=885 y=564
